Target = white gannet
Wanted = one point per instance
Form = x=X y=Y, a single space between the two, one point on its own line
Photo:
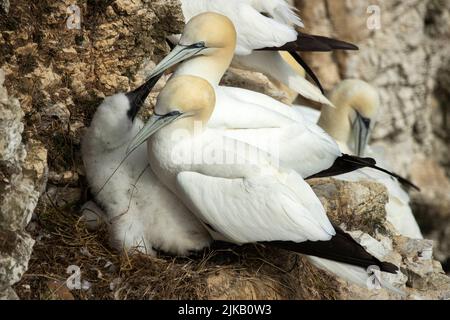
x=141 y=213
x=247 y=199
x=263 y=28
x=206 y=49
x=357 y=104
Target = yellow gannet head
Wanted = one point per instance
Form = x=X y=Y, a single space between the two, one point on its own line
x=188 y=95
x=358 y=96
x=207 y=34
x=187 y=100
x=357 y=104
x=216 y=31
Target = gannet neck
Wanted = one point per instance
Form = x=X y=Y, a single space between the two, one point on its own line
x=351 y=97
x=218 y=34
x=336 y=122
x=209 y=67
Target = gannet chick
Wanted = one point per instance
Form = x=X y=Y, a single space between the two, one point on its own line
x=140 y=211
x=350 y=123
x=235 y=189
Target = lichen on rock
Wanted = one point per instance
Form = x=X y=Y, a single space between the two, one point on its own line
x=22 y=177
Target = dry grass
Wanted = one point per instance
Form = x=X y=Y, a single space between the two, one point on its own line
x=63 y=240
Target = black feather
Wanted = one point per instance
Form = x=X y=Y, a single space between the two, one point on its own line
x=341 y=248
x=312 y=43
x=336 y=44
x=347 y=163
x=308 y=70
x=307 y=42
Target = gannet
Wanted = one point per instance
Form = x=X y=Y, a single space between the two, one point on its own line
x=248 y=199
x=206 y=49
x=141 y=213
x=263 y=28
x=350 y=123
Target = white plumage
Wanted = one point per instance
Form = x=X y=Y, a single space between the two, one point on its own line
x=275 y=128
x=249 y=200
x=358 y=94
x=254 y=30
x=140 y=211
x=257 y=31
x=246 y=200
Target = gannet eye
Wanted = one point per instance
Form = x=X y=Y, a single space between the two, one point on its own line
x=198 y=45
x=175 y=113
x=366 y=121
x=172 y=114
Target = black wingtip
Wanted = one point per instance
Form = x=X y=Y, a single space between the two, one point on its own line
x=344 y=164
x=309 y=43
x=372 y=164
x=336 y=44
x=341 y=248
x=405 y=182
x=347 y=163
x=308 y=70
x=388 y=267
x=313 y=43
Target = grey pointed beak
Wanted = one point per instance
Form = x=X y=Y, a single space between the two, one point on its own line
x=155 y=123
x=361 y=134
x=177 y=55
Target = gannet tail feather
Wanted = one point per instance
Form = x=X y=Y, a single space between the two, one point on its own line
x=312 y=43
x=347 y=163
x=336 y=44
x=341 y=248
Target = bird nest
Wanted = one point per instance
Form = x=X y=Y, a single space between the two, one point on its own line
x=247 y=272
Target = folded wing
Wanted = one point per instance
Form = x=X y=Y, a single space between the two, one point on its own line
x=262 y=208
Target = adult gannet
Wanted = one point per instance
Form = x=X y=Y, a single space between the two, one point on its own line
x=206 y=49
x=350 y=123
x=247 y=199
x=141 y=213
x=263 y=28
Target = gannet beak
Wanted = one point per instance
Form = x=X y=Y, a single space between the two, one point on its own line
x=155 y=123
x=138 y=96
x=177 y=55
x=361 y=132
